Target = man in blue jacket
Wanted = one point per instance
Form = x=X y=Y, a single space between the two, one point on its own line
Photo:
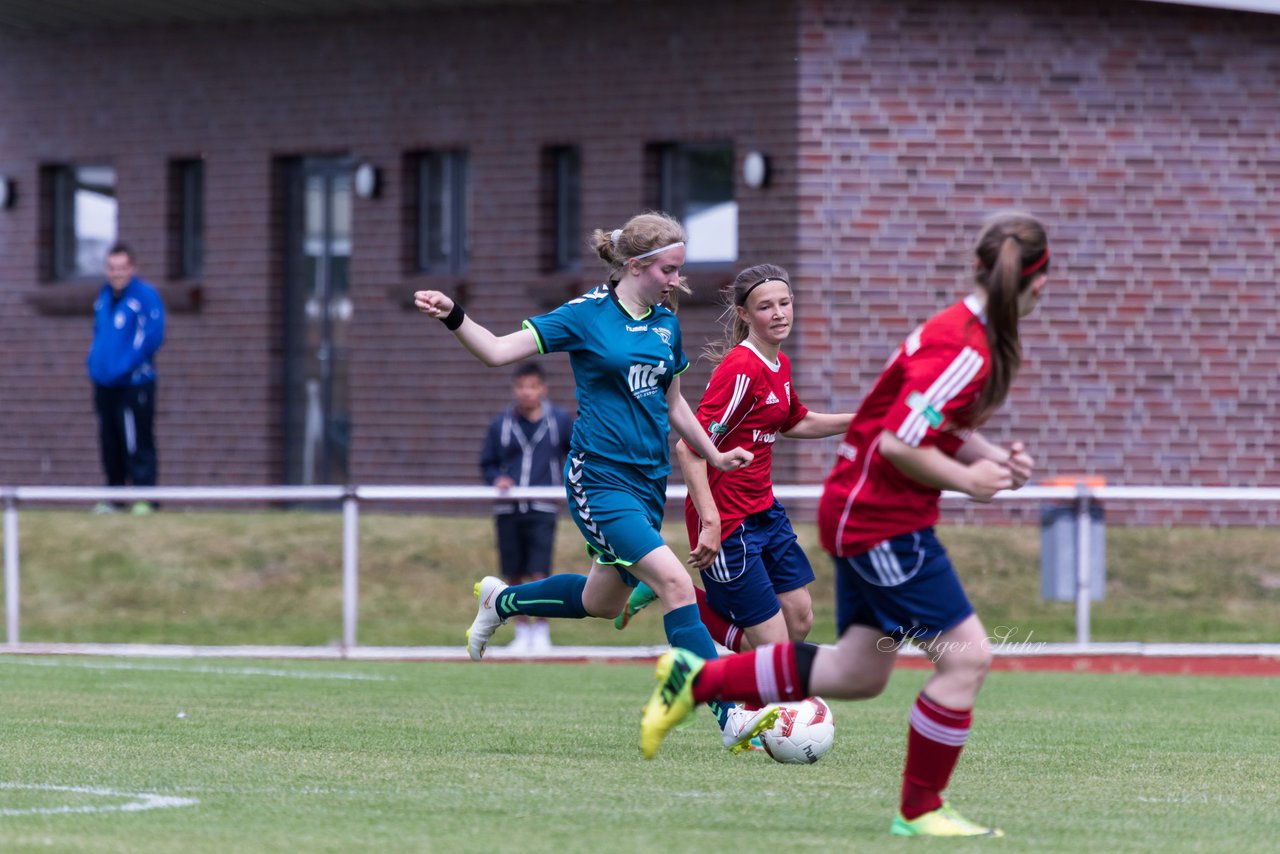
x=128 y=329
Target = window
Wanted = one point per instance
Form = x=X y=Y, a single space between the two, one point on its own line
x=561 y=208
x=186 y=218
x=83 y=217
x=695 y=184
x=442 y=212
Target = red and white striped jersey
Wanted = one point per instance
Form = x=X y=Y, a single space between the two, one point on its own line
x=748 y=402
x=923 y=397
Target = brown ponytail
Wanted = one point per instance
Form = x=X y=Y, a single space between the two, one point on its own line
x=1012 y=250
x=642 y=233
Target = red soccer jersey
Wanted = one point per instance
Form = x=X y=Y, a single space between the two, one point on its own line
x=922 y=397
x=748 y=402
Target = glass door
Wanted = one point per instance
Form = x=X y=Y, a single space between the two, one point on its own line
x=317 y=416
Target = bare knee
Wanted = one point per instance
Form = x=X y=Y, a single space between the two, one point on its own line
x=959 y=678
x=601 y=608
x=850 y=677
x=674 y=591
x=864 y=686
x=973 y=670
x=797 y=610
x=602 y=601
x=799 y=625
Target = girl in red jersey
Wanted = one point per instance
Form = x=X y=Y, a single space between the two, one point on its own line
x=914 y=436
x=754 y=573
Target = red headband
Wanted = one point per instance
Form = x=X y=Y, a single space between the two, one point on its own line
x=1044 y=259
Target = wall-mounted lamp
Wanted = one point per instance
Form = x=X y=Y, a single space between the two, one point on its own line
x=755 y=170
x=8 y=192
x=368 y=181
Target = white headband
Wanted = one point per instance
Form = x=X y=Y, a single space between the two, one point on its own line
x=660 y=249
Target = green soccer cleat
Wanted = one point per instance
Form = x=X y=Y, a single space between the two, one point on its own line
x=641 y=596
x=672 y=701
x=944 y=821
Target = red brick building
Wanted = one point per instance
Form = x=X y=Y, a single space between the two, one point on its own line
x=223 y=147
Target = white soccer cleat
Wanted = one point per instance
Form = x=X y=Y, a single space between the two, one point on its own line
x=487 y=620
x=742 y=725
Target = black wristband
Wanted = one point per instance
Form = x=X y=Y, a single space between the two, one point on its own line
x=453 y=319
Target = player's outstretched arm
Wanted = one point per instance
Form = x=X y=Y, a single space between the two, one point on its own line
x=687 y=427
x=1015 y=458
x=820 y=425
x=694 y=469
x=980 y=479
x=490 y=349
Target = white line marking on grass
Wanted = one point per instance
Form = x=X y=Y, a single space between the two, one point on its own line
x=203 y=668
x=138 y=802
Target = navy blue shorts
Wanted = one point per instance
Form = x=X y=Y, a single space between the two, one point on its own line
x=618 y=511
x=905 y=587
x=756 y=562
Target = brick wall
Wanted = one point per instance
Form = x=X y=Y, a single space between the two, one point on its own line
x=502 y=83
x=1146 y=136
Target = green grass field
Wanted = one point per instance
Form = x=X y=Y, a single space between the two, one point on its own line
x=275 y=578
x=325 y=756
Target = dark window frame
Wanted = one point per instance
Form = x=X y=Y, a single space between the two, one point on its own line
x=668 y=177
x=442 y=241
x=186 y=218
x=62 y=244
x=562 y=208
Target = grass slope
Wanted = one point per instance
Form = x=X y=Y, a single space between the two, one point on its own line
x=275 y=578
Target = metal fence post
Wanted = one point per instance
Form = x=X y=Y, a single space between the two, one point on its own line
x=1084 y=536
x=11 y=566
x=350 y=566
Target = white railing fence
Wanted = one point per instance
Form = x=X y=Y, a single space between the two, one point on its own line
x=1082 y=495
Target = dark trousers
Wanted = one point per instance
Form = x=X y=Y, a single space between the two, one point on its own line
x=126 y=418
x=525 y=542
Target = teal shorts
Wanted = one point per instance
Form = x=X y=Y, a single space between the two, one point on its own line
x=617 y=509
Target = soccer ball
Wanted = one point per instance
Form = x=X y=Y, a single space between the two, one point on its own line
x=803 y=733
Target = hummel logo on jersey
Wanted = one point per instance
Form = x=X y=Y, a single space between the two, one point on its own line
x=631 y=328
x=644 y=379
x=599 y=292
x=772 y=398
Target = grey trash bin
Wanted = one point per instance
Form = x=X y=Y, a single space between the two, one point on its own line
x=1058 y=538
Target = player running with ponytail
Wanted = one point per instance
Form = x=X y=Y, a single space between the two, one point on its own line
x=625 y=349
x=754 y=572
x=914 y=436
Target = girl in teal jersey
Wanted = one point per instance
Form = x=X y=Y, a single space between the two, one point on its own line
x=627 y=354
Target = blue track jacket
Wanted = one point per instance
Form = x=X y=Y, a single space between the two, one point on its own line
x=127 y=332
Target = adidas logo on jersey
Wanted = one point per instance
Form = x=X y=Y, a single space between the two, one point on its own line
x=772 y=398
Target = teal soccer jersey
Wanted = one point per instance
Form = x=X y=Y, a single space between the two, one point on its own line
x=623 y=367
